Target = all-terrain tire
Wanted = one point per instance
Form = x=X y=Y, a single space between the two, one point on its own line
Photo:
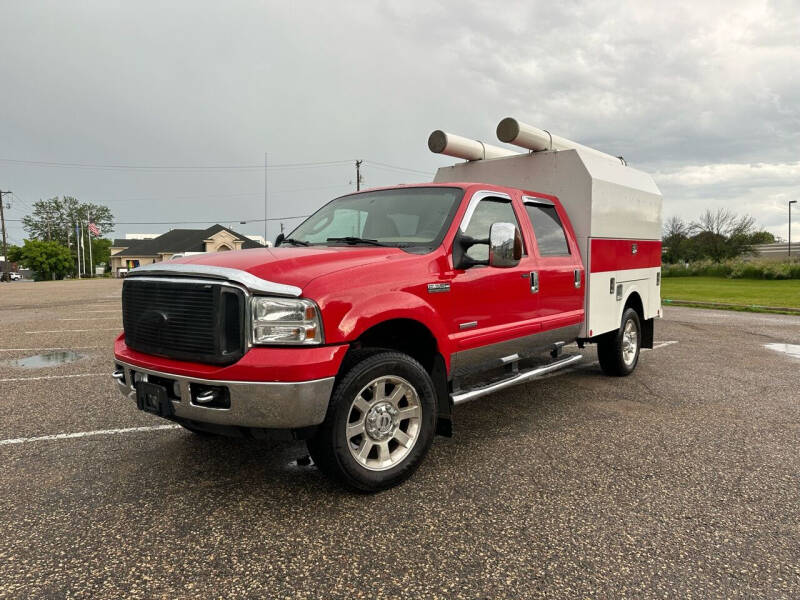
x=383 y=395
x=618 y=351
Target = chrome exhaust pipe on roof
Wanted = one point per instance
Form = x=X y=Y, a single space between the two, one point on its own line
x=441 y=142
x=512 y=131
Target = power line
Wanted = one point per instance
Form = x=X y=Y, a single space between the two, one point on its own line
x=132 y=167
x=124 y=167
x=227 y=220
x=396 y=168
x=219 y=195
x=21 y=200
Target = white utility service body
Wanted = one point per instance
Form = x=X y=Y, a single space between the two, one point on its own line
x=615 y=212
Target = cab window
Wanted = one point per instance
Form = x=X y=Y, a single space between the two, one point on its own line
x=547 y=227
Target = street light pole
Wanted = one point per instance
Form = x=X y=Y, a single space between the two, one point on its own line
x=4 y=276
x=790 y=225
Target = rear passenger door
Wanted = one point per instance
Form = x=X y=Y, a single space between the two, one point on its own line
x=557 y=269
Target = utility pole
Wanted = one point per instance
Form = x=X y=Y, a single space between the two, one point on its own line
x=5 y=276
x=790 y=226
x=358 y=175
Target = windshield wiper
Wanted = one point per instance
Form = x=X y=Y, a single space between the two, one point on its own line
x=294 y=241
x=355 y=240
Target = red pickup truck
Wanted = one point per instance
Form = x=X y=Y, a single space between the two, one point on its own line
x=363 y=328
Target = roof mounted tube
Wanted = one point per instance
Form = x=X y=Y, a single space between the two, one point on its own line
x=441 y=142
x=520 y=134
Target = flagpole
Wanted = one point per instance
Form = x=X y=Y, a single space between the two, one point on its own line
x=91 y=261
x=80 y=248
x=69 y=246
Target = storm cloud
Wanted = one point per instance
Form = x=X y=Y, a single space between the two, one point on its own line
x=703 y=95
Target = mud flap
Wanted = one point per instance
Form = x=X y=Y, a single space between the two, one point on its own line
x=444 y=405
x=648 y=327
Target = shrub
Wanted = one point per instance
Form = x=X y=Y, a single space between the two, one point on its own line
x=734 y=269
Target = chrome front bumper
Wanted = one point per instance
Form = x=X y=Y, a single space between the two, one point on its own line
x=272 y=405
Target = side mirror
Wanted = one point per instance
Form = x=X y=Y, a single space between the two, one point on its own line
x=279 y=239
x=505 y=245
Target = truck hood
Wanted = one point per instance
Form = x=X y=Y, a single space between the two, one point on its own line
x=293 y=265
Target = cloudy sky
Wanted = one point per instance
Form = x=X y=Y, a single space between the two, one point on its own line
x=164 y=111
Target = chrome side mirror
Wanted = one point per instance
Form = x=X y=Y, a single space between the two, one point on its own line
x=505 y=245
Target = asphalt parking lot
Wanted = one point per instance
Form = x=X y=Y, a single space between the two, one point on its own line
x=680 y=481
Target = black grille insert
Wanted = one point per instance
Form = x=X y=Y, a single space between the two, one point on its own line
x=196 y=321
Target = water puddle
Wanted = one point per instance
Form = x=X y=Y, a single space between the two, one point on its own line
x=46 y=359
x=792 y=350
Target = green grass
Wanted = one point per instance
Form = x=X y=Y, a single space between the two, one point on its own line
x=746 y=292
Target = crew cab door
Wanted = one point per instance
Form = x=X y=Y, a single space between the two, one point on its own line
x=557 y=267
x=486 y=306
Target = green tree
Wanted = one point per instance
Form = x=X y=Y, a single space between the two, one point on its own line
x=55 y=219
x=14 y=253
x=48 y=260
x=762 y=237
x=721 y=234
x=676 y=241
x=101 y=250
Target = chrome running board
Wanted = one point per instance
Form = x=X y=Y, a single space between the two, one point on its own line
x=522 y=377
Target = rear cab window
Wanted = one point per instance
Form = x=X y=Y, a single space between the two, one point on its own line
x=548 y=229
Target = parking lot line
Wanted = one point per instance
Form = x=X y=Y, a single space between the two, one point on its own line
x=9 y=380
x=81 y=434
x=46 y=349
x=74 y=330
x=88 y=318
x=658 y=345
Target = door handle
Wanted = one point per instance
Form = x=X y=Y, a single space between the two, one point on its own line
x=534 y=282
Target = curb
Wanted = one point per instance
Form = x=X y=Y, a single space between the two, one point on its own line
x=751 y=307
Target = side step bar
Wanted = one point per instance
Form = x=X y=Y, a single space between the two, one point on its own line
x=524 y=376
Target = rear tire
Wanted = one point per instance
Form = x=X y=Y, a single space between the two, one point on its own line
x=619 y=350
x=380 y=422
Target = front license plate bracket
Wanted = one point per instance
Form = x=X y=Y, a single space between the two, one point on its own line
x=153 y=398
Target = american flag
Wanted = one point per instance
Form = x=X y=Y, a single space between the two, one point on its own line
x=94 y=229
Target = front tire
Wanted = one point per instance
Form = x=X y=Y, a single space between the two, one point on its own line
x=380 y=423
x=619 y=350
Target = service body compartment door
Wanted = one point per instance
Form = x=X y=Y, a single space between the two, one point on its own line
x=619 y=268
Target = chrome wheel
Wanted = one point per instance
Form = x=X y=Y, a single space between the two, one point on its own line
x=383 y=423
x=630 y=342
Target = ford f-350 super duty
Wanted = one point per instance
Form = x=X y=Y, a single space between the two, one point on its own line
x=363 y=328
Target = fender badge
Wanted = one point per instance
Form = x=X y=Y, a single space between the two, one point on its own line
x=438 y=288
x=634 y=248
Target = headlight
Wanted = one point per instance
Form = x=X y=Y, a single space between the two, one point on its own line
x=281 y=321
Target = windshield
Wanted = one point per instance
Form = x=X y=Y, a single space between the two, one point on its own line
x=410 y=218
